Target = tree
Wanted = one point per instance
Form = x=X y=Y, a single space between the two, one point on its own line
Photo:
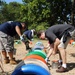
x=48 y=11
x=13 y=9
x=2 y=4
x=59 y=10
x=10 y=11
x=35 y=12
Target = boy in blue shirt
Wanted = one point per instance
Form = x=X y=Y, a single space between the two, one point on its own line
x=28 y=37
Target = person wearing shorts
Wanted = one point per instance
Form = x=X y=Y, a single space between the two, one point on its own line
x=58 y=37
x=7 y=32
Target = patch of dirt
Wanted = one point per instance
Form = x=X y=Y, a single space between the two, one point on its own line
x=21 y=52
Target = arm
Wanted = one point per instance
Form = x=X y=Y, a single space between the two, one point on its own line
x=50 y=52
x=18 y=30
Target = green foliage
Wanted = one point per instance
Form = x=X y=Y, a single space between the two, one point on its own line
x=40 y=14
x=14 y=11
x=2 y=7
x=42 y=26
x=60 y=9
x=10 y=11
x=36 y=11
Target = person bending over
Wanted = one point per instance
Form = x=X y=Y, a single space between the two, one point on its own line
x=58 y=36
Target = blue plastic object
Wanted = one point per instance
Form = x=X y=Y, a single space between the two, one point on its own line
x=35 y=69
x=30 y=69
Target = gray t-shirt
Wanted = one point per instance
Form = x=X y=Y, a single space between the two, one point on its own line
x=57 y=31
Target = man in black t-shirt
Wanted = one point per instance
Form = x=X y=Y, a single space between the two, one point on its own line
x=7 y=31
x=58 y=37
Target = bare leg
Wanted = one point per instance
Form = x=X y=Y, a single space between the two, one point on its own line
x=63 y=55
x=12 y=60
x=10 y=54
x=63 y=68
x=6 y=59
x=4 y=54
x=60 y=56
x=51 y=50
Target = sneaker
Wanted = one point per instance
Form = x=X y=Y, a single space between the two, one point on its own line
x=62 y=69
x=6 y=60
x=13 y=61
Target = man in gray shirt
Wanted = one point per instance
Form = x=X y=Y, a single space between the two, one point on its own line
x=58 y=37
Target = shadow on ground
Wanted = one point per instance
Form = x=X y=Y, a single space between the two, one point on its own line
x=71 y=66
x=72 y=54
x=18 y=61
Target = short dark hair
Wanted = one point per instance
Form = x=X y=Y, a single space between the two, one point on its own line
x=26 y=25
x=39 y=33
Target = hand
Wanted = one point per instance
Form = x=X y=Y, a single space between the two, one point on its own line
x=21 y=38
x=46 y=59
x=30 y=42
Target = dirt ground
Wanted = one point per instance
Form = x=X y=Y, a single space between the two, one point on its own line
x=21 y=52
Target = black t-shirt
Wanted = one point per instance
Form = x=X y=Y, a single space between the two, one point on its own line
x=56 y=31
x=9 y=27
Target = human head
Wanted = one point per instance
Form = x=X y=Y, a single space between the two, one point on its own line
x=41 y=34
x=24 y=25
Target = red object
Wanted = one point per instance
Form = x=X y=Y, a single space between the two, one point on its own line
x=71 y=41
x=55 y=61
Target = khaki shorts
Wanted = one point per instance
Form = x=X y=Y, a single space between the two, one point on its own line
x=64 y=45
x=6 y=42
